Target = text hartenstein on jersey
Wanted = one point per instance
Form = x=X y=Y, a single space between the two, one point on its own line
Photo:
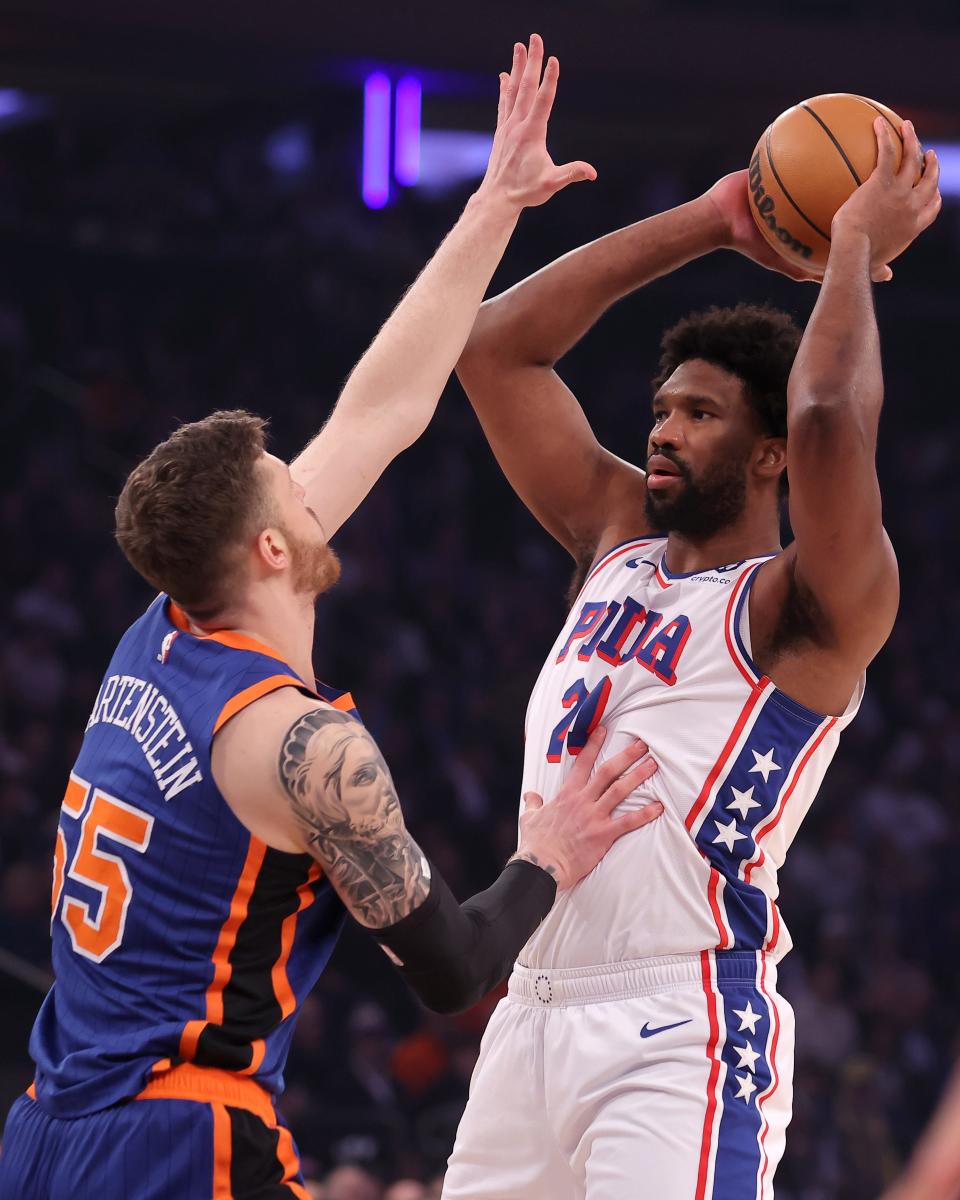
x=147 y=715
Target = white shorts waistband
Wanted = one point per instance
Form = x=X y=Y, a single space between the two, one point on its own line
x=553 y=987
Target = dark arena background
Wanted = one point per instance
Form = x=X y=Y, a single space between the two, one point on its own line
x=214 y=206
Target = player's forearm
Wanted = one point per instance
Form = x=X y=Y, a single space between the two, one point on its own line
x=838 y=368
x=540 y=319
x=410 y=360
x=453 y=954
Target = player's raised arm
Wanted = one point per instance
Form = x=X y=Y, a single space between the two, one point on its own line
x=844 y=561
x=585 y=496
x=393 y=391
x=306 y=777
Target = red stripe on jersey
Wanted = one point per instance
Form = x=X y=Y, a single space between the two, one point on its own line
x=707 y=1139
x=774 y=820
x=773 y=1067
x=728 y=624
x=725 y=753
x=723 y=934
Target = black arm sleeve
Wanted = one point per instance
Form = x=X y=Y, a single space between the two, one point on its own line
x=453 y=954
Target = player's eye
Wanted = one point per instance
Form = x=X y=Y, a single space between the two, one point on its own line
x=699 y=414
x=658 y=416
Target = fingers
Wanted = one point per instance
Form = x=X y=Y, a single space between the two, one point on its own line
x=621 y=788
x=543 y=101
x=881 y=274
x=616 y=765
x=912 y=154
x=531 y=802
x=928 y=189
x=531 y=77
x=583 y=767
x=513 y=79
x=635 y=820
x=886 y=147
x=502 y=113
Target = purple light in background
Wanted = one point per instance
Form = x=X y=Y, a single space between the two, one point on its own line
x=376 y=140
x=949 y=156
x=406 y=153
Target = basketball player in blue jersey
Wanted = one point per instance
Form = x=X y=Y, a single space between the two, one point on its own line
x=647 y=1049
x=225 y=812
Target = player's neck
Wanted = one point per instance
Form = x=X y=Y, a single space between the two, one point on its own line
x=279 y=619
x=749 y=538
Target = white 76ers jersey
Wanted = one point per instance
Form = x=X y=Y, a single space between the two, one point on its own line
x=667 y=658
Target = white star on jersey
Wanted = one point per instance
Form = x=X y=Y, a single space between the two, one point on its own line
x=748 y=1057
x=743 y=803
x=727 y=834
x=748 y=1018
x=764 y=764
x=747 y=1088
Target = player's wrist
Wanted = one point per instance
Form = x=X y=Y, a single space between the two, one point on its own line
x=491 y=202
x=544 y=861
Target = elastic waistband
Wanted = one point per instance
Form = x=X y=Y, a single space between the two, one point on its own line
x=210 y=1085
x=551 y=987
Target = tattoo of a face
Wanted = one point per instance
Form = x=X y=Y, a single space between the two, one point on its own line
x=341 y=792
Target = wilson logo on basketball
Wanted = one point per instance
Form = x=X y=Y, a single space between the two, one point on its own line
x=764 y=203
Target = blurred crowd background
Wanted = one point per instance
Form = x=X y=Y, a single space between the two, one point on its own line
x=167 y=261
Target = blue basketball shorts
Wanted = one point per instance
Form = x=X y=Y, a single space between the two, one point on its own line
x=152 y=1149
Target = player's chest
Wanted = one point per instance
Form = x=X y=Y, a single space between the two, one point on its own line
x=632 y=643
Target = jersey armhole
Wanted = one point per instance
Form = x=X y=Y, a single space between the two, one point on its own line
x=256 y=691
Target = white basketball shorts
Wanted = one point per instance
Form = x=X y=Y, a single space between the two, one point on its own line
x=668 y=1078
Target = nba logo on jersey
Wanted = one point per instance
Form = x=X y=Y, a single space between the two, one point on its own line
x=166 y=644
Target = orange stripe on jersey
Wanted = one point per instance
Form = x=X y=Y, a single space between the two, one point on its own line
x=225 y=943
x=222 y=1153
x=242 y=699
x=287 y=1156
x=225 y=637
x=32 y=1091
x=281 y=984
x=344 y=702
x=258 y=1049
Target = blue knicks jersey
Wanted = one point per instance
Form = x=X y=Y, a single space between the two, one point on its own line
x=177 y=935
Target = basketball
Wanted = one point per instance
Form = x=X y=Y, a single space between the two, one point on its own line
x=806 y=164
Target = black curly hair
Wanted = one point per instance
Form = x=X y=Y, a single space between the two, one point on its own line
x=755 y=342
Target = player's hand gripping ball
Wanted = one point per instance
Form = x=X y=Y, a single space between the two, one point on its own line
x=807 y=163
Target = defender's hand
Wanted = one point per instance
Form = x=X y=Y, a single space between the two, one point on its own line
x=569 y=836
x=520 y=169
x=891 y=208
x=729 y=199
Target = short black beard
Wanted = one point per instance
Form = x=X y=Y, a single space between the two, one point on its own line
x=702 y=507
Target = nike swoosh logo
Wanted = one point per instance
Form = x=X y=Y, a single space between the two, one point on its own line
x=646 y=1031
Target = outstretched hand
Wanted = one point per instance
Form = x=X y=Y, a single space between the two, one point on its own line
x=520 y=167
x=730 y=198
x=893 y=206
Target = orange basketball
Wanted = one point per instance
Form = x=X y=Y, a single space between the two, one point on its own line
x=806 y=164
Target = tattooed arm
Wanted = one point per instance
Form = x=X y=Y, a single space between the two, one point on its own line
x=304 y=777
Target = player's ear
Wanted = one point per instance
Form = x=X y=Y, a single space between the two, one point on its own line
x=771 y=458
x=273 y=552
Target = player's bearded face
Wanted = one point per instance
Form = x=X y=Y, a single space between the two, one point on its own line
x=705 y=501
x=316 y=567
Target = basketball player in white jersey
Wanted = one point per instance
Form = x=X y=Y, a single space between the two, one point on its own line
x=643 y=1050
